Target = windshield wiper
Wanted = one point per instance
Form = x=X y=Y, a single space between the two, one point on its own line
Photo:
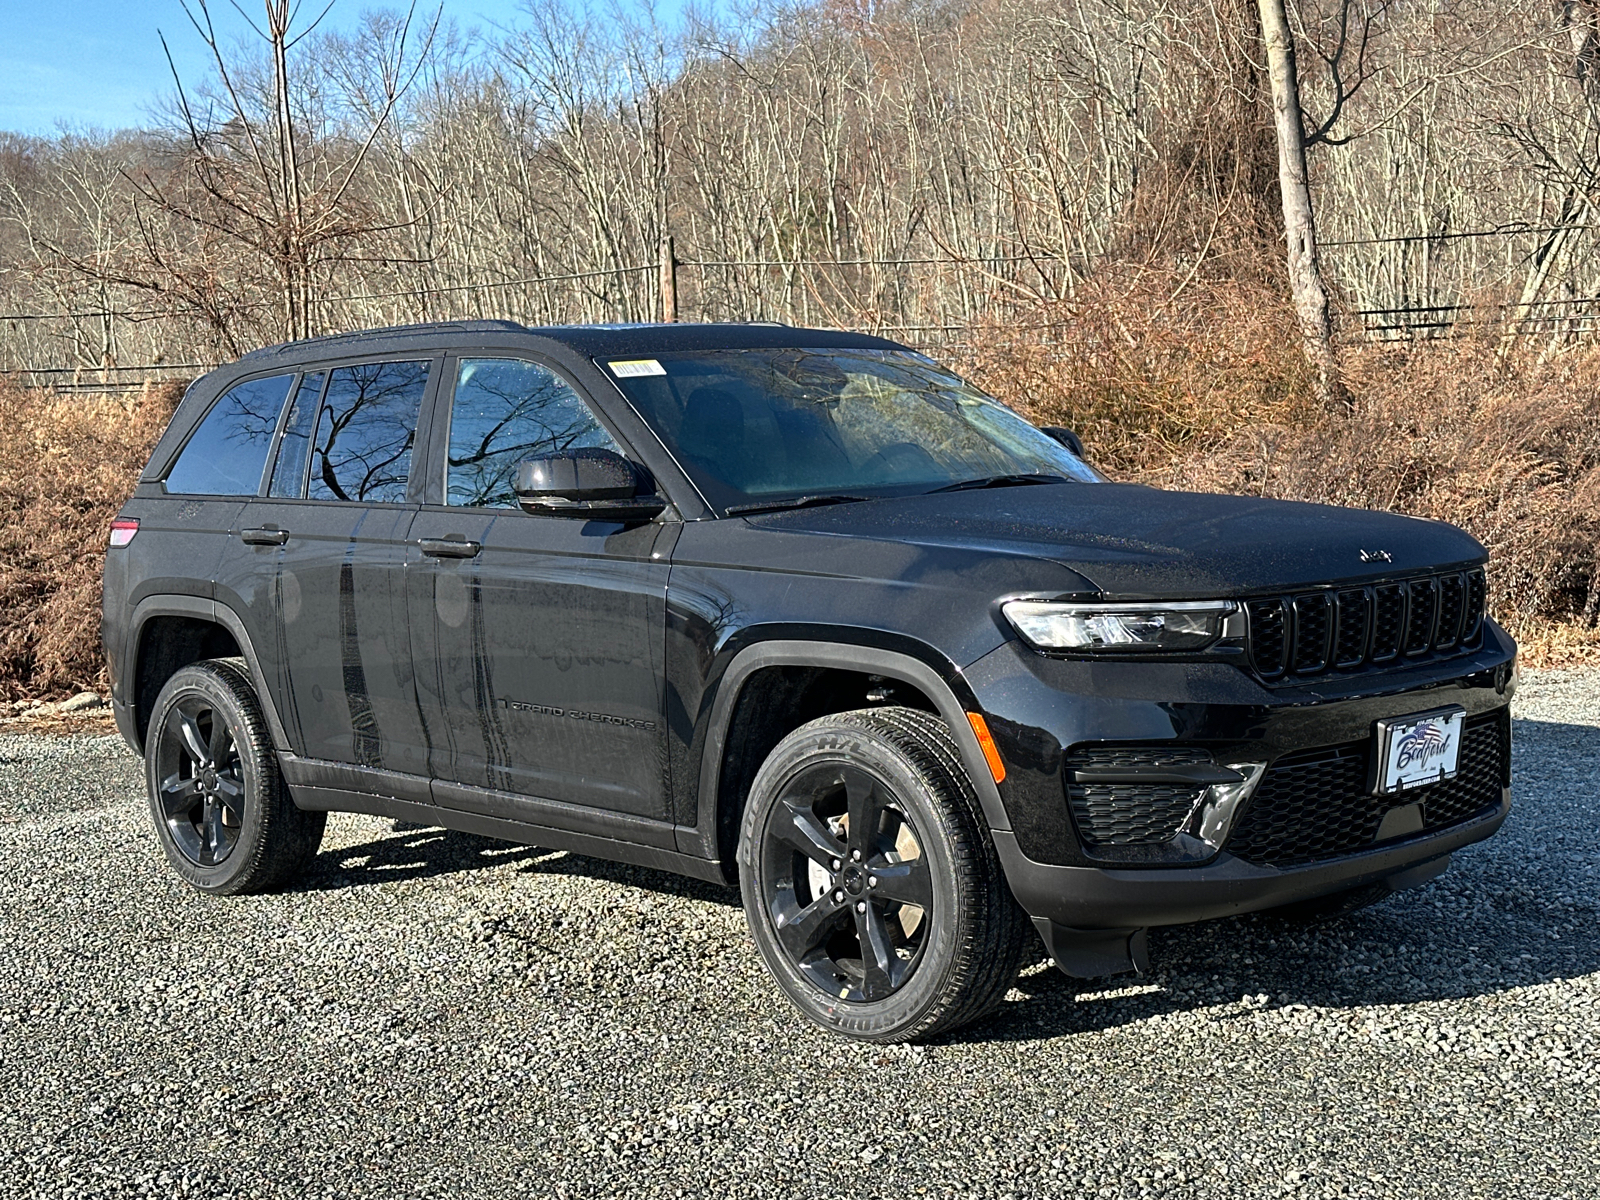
x=990 y=481
x=796 y=502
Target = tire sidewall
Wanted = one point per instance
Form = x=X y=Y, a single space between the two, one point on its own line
x=920 y=996
x=208 y=682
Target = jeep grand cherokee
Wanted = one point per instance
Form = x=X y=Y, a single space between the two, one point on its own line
x=795 y=609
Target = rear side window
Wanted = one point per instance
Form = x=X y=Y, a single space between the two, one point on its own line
x=505 y=411
x=228 y=452
x=362 y=447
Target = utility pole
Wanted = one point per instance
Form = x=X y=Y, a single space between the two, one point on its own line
x=669 y=281
x=1299 y=221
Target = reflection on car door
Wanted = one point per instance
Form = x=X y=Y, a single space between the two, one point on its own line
x=538 y=640
x=328 y=589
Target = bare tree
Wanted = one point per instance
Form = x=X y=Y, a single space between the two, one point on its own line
x=1299 y=218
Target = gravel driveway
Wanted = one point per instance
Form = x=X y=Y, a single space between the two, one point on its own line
x=436 y=1014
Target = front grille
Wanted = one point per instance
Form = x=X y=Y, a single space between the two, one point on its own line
x=1315 y=805
x=1350 y=628
x=1132 y=814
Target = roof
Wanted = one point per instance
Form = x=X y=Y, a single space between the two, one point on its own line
x=588 y=340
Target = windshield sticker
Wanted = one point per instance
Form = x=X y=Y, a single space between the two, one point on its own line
x=634 y=367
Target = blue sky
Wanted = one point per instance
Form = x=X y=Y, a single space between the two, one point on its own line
x=99 y=64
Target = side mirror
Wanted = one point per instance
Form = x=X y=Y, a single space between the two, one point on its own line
x=1067 y=438
x=599 y=485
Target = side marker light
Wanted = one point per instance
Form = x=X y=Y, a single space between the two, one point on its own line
x=991 y=752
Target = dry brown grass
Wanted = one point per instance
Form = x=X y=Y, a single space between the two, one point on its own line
x=1188 y=383
x=66 y=465
x=1213 y=395
x=1146 y=364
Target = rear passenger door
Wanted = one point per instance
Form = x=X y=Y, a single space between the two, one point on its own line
x=218 y=471
x=325 y=581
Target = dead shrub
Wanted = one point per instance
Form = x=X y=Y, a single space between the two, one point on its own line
x=1145 y=362
x=1208 y=391
x=66 y=465
x=1444 y=430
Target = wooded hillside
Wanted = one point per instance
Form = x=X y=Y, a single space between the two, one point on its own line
x=912 y=166
x=1074 y=201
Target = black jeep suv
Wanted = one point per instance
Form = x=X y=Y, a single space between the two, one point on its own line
x=797 y=609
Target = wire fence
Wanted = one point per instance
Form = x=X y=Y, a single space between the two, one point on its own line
x=914 y=299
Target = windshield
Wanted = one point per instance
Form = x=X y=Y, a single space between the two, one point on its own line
x=752 y=426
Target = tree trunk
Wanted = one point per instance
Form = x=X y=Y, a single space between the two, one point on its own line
x=1299 y=222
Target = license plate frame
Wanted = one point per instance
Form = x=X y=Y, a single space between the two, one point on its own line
x=1416 y=750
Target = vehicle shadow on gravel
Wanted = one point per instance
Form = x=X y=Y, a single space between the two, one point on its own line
x=1246 y=964
x=664 y=882
x=410 y=852
x=424 y=852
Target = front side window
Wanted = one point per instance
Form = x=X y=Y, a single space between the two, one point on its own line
x=362 y=447
x=759 y=424
x=228 y=452
x=505 y=411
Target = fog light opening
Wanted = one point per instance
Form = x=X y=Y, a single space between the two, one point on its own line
x=1213 y=817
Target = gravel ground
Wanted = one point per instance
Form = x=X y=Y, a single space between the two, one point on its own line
x=435 y=1014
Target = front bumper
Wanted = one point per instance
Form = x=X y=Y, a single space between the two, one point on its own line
x=1108 y=898
x=1040 y=709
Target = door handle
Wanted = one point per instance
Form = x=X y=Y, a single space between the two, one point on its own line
x=263 y=537
x=449 y=548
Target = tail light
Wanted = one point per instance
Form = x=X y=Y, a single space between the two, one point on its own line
x=122 y=530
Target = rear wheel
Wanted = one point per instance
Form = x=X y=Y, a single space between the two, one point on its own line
x=221 y=809
x=870 y=882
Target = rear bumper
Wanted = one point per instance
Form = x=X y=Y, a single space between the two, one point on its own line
x=1085 y=897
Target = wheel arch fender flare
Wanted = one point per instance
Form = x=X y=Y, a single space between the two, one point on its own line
x=891 y=664
x=204 y=609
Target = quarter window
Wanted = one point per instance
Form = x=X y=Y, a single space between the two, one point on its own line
x=362 y=447
x=506 y=411
x=228 y=452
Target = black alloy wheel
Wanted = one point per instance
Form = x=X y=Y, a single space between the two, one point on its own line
x=845 y=882
x=222 y=812
x=870 y=882
x=201 y=793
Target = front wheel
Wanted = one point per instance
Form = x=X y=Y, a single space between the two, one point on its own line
x=222 y=812
x=870 y=882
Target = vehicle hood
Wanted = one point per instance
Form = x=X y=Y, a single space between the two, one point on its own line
x=1143 y=543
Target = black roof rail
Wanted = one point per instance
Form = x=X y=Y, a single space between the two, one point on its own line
x=334 y=339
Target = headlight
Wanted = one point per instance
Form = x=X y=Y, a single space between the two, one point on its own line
x=1188 y=625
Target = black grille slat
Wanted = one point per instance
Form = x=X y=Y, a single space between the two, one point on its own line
x=1420 y=620
x=1131 y=814
x=1472 y=621
x=1311 y=629
x=1452 y=600
x=1388 y=621
x=1351 y=622
x=1315 y=805
x=1481 y=772
x=1269 y=636
x=1138 y=756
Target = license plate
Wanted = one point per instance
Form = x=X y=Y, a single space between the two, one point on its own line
x=1417 y=750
